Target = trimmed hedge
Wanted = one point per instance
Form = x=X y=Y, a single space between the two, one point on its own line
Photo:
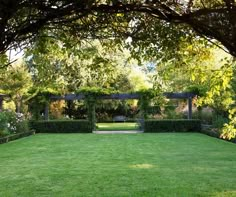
x=61 y=126
x=172 y=125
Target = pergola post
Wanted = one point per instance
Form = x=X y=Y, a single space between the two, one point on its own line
x=190 y=108
x=92 y=113
x=46 y=111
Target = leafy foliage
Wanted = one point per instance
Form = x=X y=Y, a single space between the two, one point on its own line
x=40 y=97
x=145 y=99
x=15 y=81
x=95 y=92
x=23 y=20
x=66 y=67
x=11 y=122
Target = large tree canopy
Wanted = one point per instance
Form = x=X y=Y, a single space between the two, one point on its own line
x=21 y=20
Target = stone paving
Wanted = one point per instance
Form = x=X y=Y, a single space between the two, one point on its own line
x=118 y=132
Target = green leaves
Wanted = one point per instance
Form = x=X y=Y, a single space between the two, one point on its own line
x=16 y=82
x=3 y=60
x=95 y=91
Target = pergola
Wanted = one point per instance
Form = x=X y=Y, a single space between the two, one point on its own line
x=125 y=96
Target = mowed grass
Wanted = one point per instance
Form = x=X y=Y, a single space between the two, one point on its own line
x=164 y=164
x=117 y=126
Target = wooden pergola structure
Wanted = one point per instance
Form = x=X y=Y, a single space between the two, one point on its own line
x=184 y=95
x=125 y=96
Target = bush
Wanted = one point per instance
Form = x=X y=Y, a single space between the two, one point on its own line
x=212 y=133
x=152 y=126
x=204 y=114
x=11 y=122
x=61 y=126
x=219 y=121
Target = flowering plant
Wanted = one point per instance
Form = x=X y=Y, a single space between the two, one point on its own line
x=11 y=122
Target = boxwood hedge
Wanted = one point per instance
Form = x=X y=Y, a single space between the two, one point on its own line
x=62 y=126
x=172 y=125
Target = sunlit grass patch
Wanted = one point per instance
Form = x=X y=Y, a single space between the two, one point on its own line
x=226 y=194
x=142 y=166
x=116 y=126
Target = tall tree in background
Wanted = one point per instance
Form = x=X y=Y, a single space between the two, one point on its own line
x=16 y=81
x=66 y=66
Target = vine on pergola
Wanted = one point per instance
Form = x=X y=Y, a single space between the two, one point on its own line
x=91 y=96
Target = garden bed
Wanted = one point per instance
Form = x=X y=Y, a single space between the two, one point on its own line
x=15 y=136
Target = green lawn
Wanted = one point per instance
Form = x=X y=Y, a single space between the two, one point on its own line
x=116 y=126
x=164 y=164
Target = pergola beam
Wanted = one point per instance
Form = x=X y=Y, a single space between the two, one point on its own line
x=182 y=95
x=123 y=96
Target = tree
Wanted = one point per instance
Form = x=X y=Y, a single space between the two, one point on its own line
x=21 y=20
x=206 y=70
x=15 y=81
x=194 y=64
x=66 y=66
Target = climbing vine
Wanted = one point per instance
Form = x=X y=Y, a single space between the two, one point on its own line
x=39 y=101
x=146 y=96
x=91 y=95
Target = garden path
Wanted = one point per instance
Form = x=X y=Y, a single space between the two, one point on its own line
x=118 y=132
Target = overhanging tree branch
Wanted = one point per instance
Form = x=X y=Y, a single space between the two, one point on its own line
x=21 y=20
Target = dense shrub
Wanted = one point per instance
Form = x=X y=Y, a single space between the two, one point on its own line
x=211 y=133
x=11 y=122
x=219 y=120
x=173 y=125
x=61 y=126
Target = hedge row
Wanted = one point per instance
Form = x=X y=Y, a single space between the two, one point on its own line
x=155 y=126
x=62 y=126
x=15 y=136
